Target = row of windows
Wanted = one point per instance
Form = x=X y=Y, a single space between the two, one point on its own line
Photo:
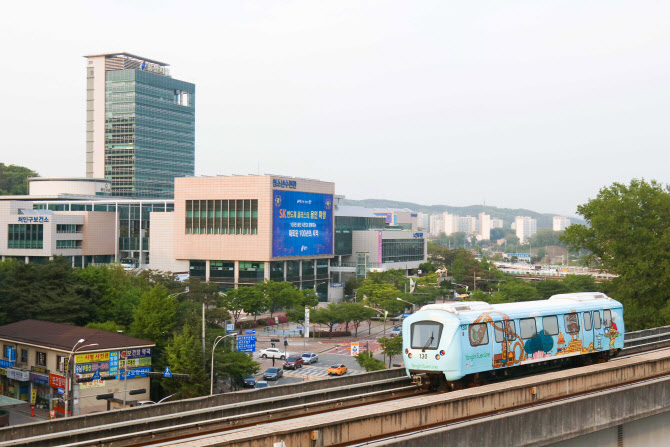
x=402 y=250
x=68 y=228
x=528 y=327
x=68 y=244
x=25 y=236
x=222 y=216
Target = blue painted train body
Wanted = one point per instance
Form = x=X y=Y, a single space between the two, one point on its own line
x=457 y=339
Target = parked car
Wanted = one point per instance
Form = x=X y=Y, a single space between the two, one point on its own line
x=396 y=331
x=261 y=384
x=273 y=373
x=248 y=381
x=337 y=369
x=274 y=353
x=293 y=362
x=310 y=357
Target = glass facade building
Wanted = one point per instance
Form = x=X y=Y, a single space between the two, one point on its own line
x=146 y=137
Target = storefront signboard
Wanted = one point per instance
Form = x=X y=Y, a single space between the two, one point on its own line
x=114 y=363
x=91 y=367
x=134 y=363
x=56 y=381
x=136 y=353
x=6 y=363
x=93 y=384
x=39 y=369
x=39 y=379
x=92 y=357
x=3 y=372
x=17 y=374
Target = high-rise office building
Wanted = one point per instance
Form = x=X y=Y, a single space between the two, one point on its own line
x=484 y=226
x=140 y=125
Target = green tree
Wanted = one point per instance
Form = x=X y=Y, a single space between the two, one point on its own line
x=330 y=316
x=279 y=295
x=627 y=232
x=367 y=361
x=14 y=180
x=234 y=366
x=183 y=354
x=391 y=347
x=155 y=316
x=47 y=291
x=108 y=326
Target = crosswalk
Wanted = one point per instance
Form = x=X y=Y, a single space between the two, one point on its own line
x=314 y=372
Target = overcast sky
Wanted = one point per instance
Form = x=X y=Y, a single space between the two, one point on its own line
x=534 y=104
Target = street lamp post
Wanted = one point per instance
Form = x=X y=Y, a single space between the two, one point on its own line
x=413 y=305
x=211 y=377
x=68 y=374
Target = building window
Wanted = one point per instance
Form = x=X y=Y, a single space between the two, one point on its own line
x=222 y=216
x=221 y=269
x=63 y=244
x=251 y=271
x=24 y=356
x=68 y=228
x=277 y=270
x=198 y=268
x=41 y=358
x=25 y=236
x=402 y=250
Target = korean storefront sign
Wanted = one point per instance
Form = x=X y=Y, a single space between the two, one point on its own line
x=92 y=357
x=17 y=374
x=39 y=379
x=56 y=381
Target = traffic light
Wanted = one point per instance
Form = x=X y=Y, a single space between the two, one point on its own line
x=104 y=396
x=140 y=391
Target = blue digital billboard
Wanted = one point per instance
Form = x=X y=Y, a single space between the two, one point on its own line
x=302 y=224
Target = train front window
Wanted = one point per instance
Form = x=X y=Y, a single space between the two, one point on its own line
x=426 y=335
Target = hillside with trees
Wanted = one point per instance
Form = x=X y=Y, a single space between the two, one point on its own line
x=14 y=179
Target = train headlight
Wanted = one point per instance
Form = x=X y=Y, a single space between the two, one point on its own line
x=437 y=356
x=442 y=352
x=409 y=355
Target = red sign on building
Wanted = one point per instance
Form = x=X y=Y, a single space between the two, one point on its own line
x=56 y=381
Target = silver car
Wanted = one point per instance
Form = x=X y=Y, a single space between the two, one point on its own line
x=310 y=357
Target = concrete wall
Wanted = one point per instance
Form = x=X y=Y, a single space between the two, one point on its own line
x=161 y=245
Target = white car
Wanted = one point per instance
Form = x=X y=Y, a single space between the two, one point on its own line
x=310 y=357
x=275 y=353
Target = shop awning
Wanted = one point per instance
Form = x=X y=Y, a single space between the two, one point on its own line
x=6 y=401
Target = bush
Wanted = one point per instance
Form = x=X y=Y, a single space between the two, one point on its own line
x=262 y=322
x=250 y=324
x=326 y=334
x=269 y=321
x=283 y=319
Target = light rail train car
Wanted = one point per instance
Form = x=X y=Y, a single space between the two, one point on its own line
x=459 y=343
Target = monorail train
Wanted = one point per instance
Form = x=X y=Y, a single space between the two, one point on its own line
x=467 y=341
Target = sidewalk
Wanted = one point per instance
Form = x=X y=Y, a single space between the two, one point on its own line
x=20 y=414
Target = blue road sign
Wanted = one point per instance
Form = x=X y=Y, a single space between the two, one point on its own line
x=61 y=390
x=167 y=372
x=96 y=375
x=250 y=331
x=246 y=343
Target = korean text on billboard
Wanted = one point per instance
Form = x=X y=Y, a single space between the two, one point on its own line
x=302 y=224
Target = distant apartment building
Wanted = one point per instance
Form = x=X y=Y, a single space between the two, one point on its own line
x=525 y=227
x=467 y=224
x=496 y=223
x=423 y=220
x=561 y=223
x=484 y=227
x=436 y=224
